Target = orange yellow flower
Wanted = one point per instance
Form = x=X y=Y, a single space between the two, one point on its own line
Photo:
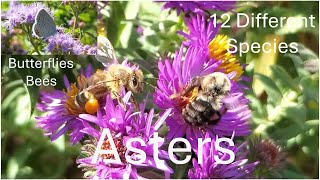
x=71 y=95
x=218 y=50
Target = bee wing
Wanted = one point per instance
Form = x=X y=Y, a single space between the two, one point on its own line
x=106 y=54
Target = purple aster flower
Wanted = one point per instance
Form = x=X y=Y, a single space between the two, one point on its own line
x=123 y=124
x=210 y=169
x=199 y=7
x=175 y=75
x=201 y=32
x=19 y=14
x=61 y=116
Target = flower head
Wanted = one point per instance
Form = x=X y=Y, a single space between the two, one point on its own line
x=219 y=50
x=176 y=75
x=22 y=13
x=123 y=124
x=61 y=113
x=199 y=7
x=90 y=50
x=62 y=43
x=268 y=153
x=200 y=31
x=203 y=34
x=211 y=169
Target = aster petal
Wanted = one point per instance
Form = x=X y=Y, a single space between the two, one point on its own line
x=161 y=119
x=149 y=121
x=89 y=117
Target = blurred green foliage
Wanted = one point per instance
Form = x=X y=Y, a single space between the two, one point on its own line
x=286 y=109
x=290 y=114
x=26 y=152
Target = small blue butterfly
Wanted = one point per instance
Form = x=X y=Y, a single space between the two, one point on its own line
x=44 y=25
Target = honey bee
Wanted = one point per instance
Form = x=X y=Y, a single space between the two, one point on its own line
x=204 y=108
x=107 y=81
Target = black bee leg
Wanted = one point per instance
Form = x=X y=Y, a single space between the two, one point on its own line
x=99 y=87
x=120 y=101
x=133 y=100
x=195 y=82
x=219 y=115
x=99 y=95
x=215 y=121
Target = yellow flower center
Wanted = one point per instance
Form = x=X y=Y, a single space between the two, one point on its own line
x=71 y=95
x=218 y=50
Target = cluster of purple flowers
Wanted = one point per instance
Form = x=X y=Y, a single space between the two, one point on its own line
x=62 y=43
x=125 y=120
x=124 y=124
x=19 y=14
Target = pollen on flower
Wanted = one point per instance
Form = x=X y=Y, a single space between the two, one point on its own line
x=92 y=106
x=218 y=50
x=120 y=149
x=71 y=95
x=183 y=101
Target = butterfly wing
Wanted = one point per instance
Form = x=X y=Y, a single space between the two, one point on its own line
x=106 y=54
x=44 y=25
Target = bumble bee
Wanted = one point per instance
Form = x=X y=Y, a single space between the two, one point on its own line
x=204 y=108
x=107 y=81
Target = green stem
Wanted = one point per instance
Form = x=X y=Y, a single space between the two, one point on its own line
x=34 y=45
x=74 y=9
x=28 y=31
x=75 y=23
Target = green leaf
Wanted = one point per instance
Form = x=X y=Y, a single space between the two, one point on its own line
x=290 y=174
x=33 y=90
x=306 y=53
x=296 y=113
x=287 y=132
x=180 y=171
x=18 y=160
x=114 y=25
x=310 y=87
x=274 y=93
x=13 y=168
x=312 y=123
x=132 y=9
x=284 y=78
x=298 y=63
x=91 y=35
x=12 y=96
